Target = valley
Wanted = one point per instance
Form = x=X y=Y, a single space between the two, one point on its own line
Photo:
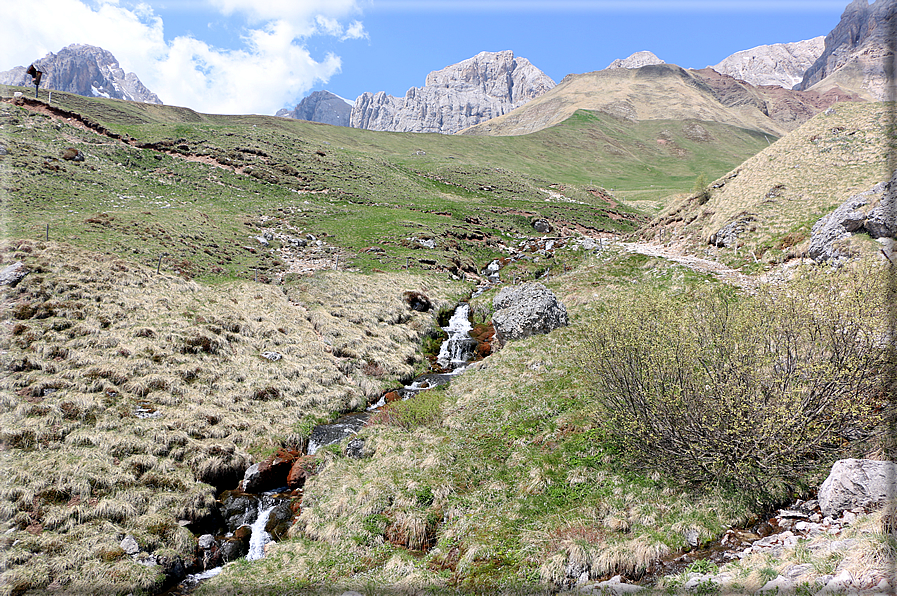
x=213 y=319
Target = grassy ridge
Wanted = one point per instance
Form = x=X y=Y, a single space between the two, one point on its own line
x=202 y=187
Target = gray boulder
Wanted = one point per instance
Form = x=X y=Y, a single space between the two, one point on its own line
x=13 y=274
x=129 y=545
x=526 y=310
x=882 y=220
x=857 y=483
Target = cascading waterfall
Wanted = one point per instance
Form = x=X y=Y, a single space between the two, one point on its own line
x=260 y=537
x=459 y=348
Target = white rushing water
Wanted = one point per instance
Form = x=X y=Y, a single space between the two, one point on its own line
x=260 y=537
x=459 y=347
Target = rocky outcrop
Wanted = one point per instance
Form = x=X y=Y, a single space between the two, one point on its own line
x=526 y=310
x=829 y=235
x=271 y=473
x=480 y=88
x=12 y=274
x=84 y=70
x=857 y=51
x=636 y=60
x=321 y=106
x=857 y=483
x=782 y=64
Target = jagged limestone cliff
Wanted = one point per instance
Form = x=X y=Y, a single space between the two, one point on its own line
x=461 y=95
x=857 y=52
x=84 y=70
x=782 y=64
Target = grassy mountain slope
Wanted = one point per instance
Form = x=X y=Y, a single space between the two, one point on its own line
x=129 y=397
x=783 y=190
x=202 y=188
x=663 y=91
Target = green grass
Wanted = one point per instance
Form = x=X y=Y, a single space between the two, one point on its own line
x=157 y=189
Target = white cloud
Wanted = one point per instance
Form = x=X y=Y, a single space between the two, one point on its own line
x=556 y=6
x=271 y=69
x=293 y=11
x=355 y=30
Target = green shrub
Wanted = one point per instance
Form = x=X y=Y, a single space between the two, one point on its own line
x=752 y=392
x=423 y=409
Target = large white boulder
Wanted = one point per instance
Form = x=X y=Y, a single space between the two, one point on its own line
x=857 y=483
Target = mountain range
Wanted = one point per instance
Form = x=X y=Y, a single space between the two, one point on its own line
x=500 y=93
x=84 y=70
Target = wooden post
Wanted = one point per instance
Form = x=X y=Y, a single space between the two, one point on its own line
x=159 y=266
x=50 y=98
x=407 y=262
x=48 y=231
x=256 y=274
x=336 y=264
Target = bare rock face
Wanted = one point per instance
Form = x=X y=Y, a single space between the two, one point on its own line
x=782 y=64
x=858 y=50
x=857 y=483
x=636 y=60
x=84 y=70
x=529 y=309
x=321 y=106
x=478 y=89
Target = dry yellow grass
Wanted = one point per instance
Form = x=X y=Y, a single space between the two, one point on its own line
x=128 y=396
x=782 y=191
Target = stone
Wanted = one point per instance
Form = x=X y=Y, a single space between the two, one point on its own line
x=84 y=70
x=616 y=586
x=480 y=88
x=355 y=448
x=796 y=571
x=727 y=236
x=271 y=473
x=525 y=310
x=301 y=469
x=233 y=549
x=238 y=509
x=272 y=356
x=321 y=106
x=173 y=569
x=635 y=60
x=831 y=229
x=542 y=226
x=129 y=545
x=882 y=220
x=781 y=64
x=207 y=542
x=417 y=301
x=72 y=154
x=11 y=275
x=779 y=585
x=857 y=483
x=279 y=521
x=839 y=584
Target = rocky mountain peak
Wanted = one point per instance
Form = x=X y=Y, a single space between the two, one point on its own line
x=458 y=96
x=781 y=64
x=321 y=106
x=858 y=50
x=636 y=60
x=84 y=70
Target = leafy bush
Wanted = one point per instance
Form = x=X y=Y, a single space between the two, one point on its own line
x=423 y=409
x=753 y=392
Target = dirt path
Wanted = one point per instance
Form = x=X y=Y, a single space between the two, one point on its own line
x=726 y=274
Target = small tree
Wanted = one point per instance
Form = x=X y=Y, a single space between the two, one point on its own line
x=701 y=189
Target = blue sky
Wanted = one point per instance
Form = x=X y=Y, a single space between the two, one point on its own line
x=256 y=56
